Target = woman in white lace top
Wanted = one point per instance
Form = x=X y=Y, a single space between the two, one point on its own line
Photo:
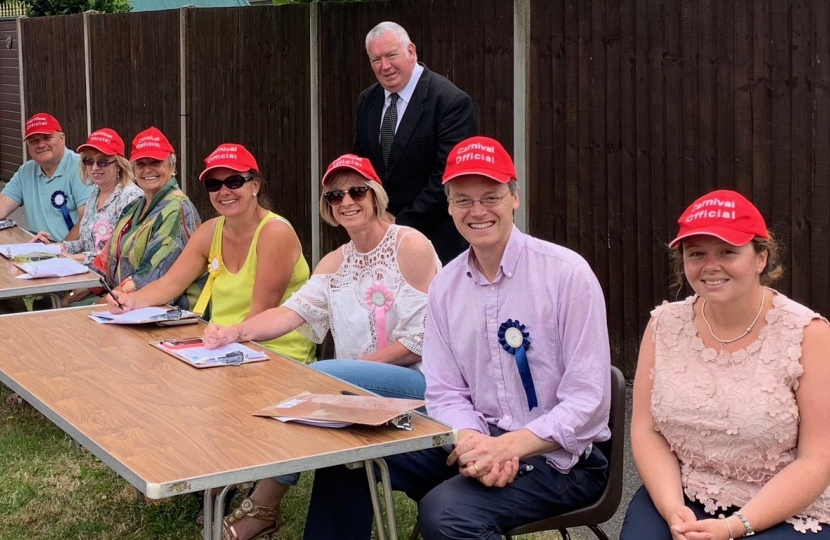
x=370 y=293
x=731 y=420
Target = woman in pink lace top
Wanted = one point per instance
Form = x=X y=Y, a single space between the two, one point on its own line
x=731 y=421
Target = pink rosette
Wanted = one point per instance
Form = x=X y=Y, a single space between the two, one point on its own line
x=101 y=231
x=380 y=299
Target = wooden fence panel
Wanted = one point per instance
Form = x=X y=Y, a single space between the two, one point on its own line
x=135 y=77
x=248 y=83
x=53 y=60
x=11 y=147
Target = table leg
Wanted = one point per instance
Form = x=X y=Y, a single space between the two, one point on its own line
x=218 y=512
x=387 y=494
x=207 y=510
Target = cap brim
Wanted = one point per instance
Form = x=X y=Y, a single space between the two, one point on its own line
x=237 y=168
x=730 y=236
x=160 y=155
x=103 y=150
x=40 y=132
x=501 y=178
x=330 y=173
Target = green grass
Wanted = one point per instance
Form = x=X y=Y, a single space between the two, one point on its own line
x=47 y=492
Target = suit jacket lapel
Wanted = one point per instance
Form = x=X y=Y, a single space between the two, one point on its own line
x=375 y=109
x=409 y=121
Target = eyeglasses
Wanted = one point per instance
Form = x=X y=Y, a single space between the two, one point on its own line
x=102 y=163
x=33 y=257
x=335 y=197
x=235 y=181
x=488 y=201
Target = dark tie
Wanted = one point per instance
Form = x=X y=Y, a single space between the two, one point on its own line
x=387 y=128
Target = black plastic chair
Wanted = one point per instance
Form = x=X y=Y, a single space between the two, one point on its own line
x=602 y=509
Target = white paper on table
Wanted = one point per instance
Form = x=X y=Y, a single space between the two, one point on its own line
x=51 y=268
x=136 y=316
x=14 y=250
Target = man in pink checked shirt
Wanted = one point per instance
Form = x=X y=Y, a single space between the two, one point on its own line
x=516 y=358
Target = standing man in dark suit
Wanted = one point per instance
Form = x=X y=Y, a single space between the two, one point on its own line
x=409 y=142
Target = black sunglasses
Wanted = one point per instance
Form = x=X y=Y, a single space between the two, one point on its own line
x=235 y=181
x=335 y=197
x=102 y=163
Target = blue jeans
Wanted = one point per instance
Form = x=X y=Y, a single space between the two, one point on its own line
x=383 y=379
x=450 y=506
x=642 y=520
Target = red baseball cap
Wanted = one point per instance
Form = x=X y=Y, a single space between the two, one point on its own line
x=151 y=143
x=480 y=155
x=41 y=124
x=106 y=141
x=360 y=165
x=232 y=156
x=724 y=214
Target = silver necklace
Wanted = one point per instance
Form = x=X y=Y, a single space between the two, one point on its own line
x=725 y=342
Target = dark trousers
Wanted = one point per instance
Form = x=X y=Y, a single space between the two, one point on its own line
x=642 y=520
x=450 y=505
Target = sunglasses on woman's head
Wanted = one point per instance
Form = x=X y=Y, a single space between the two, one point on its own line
x=235 y=181
x=102 y=163
x=335 y=197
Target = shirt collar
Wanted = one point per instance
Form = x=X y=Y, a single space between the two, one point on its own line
x=409 y=89
x=509 y=259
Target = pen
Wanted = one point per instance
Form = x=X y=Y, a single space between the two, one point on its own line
x=109 y=290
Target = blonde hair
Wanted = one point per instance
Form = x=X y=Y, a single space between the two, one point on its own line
x=125 y=168
x=380 y=199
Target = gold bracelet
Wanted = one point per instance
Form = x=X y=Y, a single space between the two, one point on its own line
x=728 y=526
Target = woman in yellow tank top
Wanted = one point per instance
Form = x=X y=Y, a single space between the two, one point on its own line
x=253 y=256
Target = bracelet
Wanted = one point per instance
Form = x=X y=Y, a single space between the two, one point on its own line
x=747 y=526
x=728 y=526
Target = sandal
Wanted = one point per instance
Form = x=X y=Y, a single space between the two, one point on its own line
x=249 y=509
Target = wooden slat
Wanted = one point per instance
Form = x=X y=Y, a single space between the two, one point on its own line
x=818 y=207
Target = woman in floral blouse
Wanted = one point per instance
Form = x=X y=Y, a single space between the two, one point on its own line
x=104 y=166
x=253 y=256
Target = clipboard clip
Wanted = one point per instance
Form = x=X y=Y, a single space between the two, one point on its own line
x=233 y=358
x=172 y=314
x=403 y=421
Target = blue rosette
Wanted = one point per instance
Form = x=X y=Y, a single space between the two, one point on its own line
x=515 y=339
x=59 y=201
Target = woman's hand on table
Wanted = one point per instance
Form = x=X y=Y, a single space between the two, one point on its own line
x=216 y=335
x=126 y=301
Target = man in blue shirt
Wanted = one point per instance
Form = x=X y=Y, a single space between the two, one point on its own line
x=48 y=186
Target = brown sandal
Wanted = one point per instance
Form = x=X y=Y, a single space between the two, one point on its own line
x=249 y=509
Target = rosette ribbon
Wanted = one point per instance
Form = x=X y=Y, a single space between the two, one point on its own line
x=102 y=231
x=379 y=299
x=214 y=268
x=514 y=339
x=59 y=202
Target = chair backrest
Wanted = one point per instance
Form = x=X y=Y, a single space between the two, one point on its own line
x=606 y=505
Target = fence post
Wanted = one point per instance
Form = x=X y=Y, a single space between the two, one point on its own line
x=314 y=118
x=22 y=81
x=183 y=144
x=87 y=65
x=521 y=121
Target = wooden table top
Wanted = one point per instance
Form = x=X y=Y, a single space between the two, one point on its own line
x=167 y=427
x=11 y=287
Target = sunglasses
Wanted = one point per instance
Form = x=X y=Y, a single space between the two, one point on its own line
x=102 y=163
x=235 y=181
x=335 y=197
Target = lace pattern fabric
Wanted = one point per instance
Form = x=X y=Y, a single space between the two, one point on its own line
x=731 y=417
x=338 y=302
